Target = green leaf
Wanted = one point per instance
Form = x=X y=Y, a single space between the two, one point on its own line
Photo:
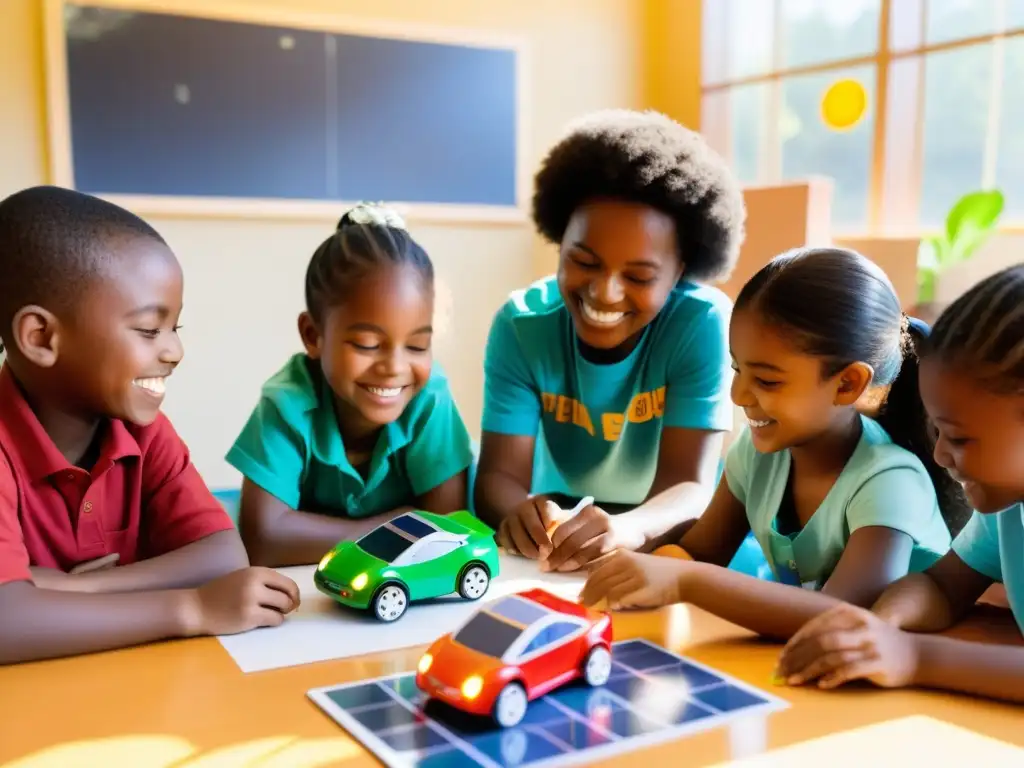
x=969 y=224
x=929 y=252
x=926 y=282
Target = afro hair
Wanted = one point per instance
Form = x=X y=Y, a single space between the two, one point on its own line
x=645 y=157
x=52 y=243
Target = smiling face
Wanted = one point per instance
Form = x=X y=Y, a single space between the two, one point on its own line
x=787 y=399
x=619 y=262
x=375 y=346
x=979 y=435
x=119 y=345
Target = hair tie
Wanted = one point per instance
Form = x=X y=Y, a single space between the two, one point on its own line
x=918 y=325
x=374 y=214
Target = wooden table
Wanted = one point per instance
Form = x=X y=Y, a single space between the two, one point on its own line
x=186 y=703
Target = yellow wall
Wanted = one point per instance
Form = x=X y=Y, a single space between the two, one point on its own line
x=243 y=279
x=672 y=58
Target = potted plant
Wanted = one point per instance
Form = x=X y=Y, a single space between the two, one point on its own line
x=969 y=223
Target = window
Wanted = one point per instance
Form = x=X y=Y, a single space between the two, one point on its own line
x=413 y=526
x=431 y=550
x=384 y=544
x=550 y=635
x=943 y=82
x=488 y=634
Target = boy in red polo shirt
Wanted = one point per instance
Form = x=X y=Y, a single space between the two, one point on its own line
x=90 y=471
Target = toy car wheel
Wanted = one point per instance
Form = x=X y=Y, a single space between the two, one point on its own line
x=598 y=667
x=510 y=707
x=474 y=581
x=390 y=602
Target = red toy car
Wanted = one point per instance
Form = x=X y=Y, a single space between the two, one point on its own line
x=514 y=650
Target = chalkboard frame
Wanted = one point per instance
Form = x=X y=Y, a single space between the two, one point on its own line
x=61 y=163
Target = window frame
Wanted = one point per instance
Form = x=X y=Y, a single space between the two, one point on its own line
x=891 y=182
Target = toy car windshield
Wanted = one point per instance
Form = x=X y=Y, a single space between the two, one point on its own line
x=495 y=628
x=387 y=544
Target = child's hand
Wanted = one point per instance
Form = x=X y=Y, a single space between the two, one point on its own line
x=635 y=580
x=847 y=643
x=525 y=531
x=240 y=601
x=585 y=538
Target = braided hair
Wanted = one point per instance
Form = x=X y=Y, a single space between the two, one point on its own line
x=368 y=237
x=983 y=331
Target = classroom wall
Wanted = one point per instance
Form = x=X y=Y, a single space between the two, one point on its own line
x=243 y=279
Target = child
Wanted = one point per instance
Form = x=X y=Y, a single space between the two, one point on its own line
x=609 y=379
x=842 y=504
x=90 y=471
x=972 y=382
x=361 y=427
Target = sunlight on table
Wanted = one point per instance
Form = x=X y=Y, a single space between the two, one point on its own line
x=894 y=744
x=166 y=751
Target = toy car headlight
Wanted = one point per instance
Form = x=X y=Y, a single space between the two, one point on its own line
x=325 y=560
x=472 y=686
x=360 y=581
x=425 y=661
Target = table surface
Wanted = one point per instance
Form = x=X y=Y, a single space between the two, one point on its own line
x=186 y=703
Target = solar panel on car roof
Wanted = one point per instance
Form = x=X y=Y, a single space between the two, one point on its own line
x=519 y=610
x=413 y=526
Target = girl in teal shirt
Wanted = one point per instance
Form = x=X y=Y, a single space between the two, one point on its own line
x=841 y=502
x=361 y=425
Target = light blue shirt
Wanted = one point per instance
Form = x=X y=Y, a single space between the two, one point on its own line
x=598 y=427
x=993 y=545
x=882 y=484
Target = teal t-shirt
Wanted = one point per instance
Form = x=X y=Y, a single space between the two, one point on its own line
x=292 y=448
x=598 y=427
x=993 y=545
x=882 y=484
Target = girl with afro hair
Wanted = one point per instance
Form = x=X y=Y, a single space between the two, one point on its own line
x=608 y=382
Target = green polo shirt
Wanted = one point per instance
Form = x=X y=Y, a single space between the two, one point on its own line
x=292 y=448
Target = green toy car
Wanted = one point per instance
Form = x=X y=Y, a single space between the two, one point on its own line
x=415 y=556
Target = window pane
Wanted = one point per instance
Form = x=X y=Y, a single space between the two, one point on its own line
x=747 y=108
x=957 y=19
x=732 y=121
x=1014 y=14
x=1010 y=157
x=816 y=31
x=955 y=116
x=899 y=204
x=810 y=148
x=905 y=24
x=737 y=39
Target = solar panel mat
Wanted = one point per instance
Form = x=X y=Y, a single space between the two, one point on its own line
x=652 y=696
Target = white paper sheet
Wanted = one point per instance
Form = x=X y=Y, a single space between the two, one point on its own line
x=321 y=629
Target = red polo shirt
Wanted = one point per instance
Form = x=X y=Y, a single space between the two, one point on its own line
x=142 y=498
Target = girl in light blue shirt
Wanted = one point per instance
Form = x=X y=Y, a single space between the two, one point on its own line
x=833 y=473
x=972 y=382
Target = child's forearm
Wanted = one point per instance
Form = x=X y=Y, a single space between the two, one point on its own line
x=769 y=609
x=995 y=671
x=190 y=566
x=302 y=538
x=916 y=603
x=43 y=623
x=497 y=495
x=665 y=518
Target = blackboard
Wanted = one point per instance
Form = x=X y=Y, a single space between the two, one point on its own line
x=186 y=106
